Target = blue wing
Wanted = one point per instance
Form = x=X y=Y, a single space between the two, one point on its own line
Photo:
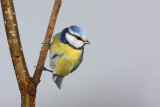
x=79 y=62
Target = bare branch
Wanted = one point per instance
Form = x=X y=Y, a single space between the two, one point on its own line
x=15 y=48
x=44 y=50
x=27 y=85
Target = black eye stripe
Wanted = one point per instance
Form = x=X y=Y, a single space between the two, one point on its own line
x=79 y=38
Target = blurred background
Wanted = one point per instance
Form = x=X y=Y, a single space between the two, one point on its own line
x=121 y=67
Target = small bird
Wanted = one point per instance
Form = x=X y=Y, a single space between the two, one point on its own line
x=66 y=52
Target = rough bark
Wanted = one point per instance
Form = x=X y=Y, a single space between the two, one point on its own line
x=27 y=84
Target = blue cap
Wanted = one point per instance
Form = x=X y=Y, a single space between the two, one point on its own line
x=77 y=29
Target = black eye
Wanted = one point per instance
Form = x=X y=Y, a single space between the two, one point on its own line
x=79 y=38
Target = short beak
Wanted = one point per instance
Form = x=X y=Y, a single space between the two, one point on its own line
x=87 y=42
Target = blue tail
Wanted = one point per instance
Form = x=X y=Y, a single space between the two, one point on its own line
x=58 y=80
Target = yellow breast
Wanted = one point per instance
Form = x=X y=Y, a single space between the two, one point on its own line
x=69 y=59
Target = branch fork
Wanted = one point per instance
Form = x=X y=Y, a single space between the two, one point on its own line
x=27 y=84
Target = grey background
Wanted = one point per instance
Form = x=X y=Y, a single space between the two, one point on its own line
x=121 y=67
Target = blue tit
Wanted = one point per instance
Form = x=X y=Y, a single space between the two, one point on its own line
x=66 y=52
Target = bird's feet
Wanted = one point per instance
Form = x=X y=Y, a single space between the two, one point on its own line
x=47 y=43
x=43 y=68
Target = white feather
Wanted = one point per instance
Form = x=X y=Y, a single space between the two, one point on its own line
x=84 y=37
x=73 y=41
x=53 y=62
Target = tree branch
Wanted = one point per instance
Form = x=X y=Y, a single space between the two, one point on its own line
x=48 y=37
x=15 y=48
x=27 y=85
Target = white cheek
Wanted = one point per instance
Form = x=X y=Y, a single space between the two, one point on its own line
x=73 y=41
x=70 y=38
x=78 y=44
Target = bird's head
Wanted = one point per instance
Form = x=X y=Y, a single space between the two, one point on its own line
x=74 y=36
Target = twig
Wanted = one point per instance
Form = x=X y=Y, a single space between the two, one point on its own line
x=44 y=50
